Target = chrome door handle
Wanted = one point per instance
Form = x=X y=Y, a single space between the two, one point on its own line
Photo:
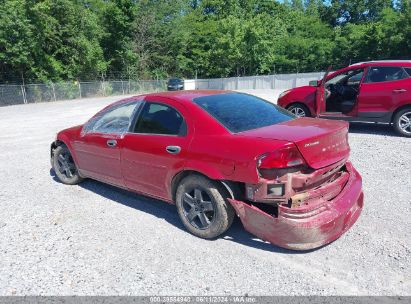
x=399 y=91
x=173 y=149
x=111 y=142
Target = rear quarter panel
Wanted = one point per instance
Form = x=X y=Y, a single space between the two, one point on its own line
x=230 y=157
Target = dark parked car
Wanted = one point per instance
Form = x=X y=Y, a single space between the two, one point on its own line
x=375 y=91
x=175 y=84
x=216 y=154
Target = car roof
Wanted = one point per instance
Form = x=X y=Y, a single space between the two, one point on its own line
x=187 y=95
x=391 y=63
x=183 y=96
x=406 y=63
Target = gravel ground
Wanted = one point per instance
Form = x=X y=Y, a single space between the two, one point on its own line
x=94 y=239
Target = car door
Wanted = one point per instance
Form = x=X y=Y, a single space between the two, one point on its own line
x=382 y=89
x=156 y=148
x=99 y=146
x=340 y=103
x=320 y=95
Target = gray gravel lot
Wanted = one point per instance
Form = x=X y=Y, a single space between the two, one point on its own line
x=94 y=239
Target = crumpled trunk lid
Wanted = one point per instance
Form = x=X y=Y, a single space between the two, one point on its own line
x=321 y=142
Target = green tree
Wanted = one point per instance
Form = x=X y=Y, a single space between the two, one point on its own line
x=43 y=40
x=16 y=40
x=357 y=11
x=116 y=19
x=67 y=40
x=50 y=40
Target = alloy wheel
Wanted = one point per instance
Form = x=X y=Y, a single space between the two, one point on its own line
x=405 y=122
x=199 y=209
x=297 y=111
x=65 y=164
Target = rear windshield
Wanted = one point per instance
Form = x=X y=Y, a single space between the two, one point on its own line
x=241 y=112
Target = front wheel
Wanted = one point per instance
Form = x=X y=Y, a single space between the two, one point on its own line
x=202 y=207
x=299 y=110
x=402 y=122
x=64 y=166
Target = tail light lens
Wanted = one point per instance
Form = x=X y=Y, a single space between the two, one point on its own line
x=280 y=159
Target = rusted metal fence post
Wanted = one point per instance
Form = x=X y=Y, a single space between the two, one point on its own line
x=54 y=91
x=79 y=89
x=23 y=93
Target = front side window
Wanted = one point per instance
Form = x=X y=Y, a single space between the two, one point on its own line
x=350 y=77
x=241 y=112
x=382 y=74
x=355 y=79
x=157 y=118
x=408 y=70
x=115 y=120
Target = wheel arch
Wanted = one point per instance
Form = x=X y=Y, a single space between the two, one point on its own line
x=232 y=188
x=62 y=140
x=398 y=110
x=54 y=146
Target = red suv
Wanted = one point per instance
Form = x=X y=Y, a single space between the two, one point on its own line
x=375 y=91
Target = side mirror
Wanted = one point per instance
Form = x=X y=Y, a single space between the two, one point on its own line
x=314 y=83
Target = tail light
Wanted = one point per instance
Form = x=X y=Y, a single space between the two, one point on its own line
x=287 y=157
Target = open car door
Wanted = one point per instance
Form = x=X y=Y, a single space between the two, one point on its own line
x=320 y=95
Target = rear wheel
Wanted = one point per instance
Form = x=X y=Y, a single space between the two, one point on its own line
x=402 y=122
x=202 y=207
x=64 y=166
x=299 y=110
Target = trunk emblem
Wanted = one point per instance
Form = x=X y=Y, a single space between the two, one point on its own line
x=312 y=144
x=335 y=146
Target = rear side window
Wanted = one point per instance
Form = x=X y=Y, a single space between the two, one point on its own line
x=408 y=70
x=382 y=74
x=241 y=112
x=157 y=118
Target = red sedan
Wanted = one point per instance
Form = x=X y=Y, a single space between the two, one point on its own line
x=216 y=154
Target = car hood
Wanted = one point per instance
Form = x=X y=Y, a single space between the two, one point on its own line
x=308 y=89
x=321 y=142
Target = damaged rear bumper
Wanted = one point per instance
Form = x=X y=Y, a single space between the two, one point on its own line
x=307 y=226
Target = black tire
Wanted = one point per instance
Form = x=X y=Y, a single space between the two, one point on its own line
x=299 y=108
x=400 y=122
x=198 y=208
x=64 y=166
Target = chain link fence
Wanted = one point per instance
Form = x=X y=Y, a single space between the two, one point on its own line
x=266 y=82
x=33 y=93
